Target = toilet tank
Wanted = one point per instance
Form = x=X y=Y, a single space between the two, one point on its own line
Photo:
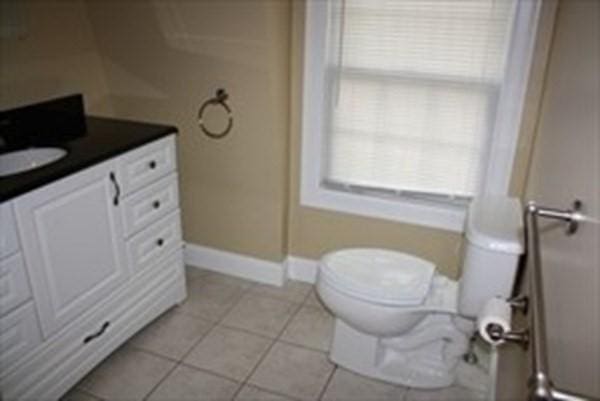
x=493 y=245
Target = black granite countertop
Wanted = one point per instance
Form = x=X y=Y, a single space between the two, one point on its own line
x=98 y=139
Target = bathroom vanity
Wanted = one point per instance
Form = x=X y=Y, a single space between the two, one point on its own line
x=90 y=252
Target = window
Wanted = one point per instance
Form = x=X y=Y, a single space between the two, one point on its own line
x=412 y=107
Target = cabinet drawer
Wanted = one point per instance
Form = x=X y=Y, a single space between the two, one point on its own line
x=14 y=287
x=19 y=333
x=146 y=164
x=149 y=204
x=155 y=242
x=9 y=242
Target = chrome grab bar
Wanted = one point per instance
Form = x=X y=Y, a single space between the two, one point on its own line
x=540 y=385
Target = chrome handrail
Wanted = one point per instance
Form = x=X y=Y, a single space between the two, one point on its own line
x=540 y=385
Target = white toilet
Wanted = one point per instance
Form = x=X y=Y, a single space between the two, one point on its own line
x=398 y=320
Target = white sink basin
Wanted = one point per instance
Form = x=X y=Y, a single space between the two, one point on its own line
x=29 y=159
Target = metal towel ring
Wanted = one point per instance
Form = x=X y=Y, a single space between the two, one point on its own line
x=219 y=99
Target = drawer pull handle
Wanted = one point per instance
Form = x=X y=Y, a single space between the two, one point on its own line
x=97 y=334
x=160 y=242
x=156 y=204
x=152 y=164
x=113 y=179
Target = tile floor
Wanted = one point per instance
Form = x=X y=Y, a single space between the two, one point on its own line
x=236 y=340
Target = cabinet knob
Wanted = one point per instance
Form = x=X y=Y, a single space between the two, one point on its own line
x=152 y=164
x=156 y=204
x=160 y=242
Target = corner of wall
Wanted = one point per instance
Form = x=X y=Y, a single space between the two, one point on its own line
x=535 y=94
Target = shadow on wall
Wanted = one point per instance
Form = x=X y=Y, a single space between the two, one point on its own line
x=163 y=59
x=47 y=50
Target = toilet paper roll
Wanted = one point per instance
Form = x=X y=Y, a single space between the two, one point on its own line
x=496 y=311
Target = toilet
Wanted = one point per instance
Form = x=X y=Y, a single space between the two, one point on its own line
x=398 y=320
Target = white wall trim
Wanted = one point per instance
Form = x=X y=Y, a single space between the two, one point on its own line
x=235 y=264
x=302 y=269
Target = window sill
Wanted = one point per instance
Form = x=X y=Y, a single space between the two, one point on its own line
x=428 y=214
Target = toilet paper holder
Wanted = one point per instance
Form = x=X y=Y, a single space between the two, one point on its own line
x=497 y=333
x=520 y=303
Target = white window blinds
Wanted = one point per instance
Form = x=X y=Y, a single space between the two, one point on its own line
x=412 y=89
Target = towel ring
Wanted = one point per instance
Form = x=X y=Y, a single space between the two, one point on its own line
x=219 y=100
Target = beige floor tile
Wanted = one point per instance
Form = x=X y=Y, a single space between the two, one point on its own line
x=262 y=315
x=127 y=374
x=293 y=291
x=172 y=335
x=297 y=372
x=218 y=278
x=186 y=383
x=229 y=352
x=447 y=394
x=313 y=300
x=195 y=273
x=311 y=327
x=251 y=393
x=210 y=300
x=348 y=386
x=77 y=395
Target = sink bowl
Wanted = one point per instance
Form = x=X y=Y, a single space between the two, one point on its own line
x=29 y=159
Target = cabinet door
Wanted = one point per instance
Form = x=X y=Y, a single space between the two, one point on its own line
x=73 y=244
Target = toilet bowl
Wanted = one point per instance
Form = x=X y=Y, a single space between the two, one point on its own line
x=398 y=320
x=394 y=320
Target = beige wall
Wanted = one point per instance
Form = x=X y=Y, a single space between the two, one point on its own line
x=55 y=56
x=533 y=102
x=163 y=59
x=565 y=166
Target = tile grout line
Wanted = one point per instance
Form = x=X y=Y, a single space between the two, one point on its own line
x=86 y=392
x=246 y=331
x=327 y=383
x=276 y=298
x=177 y=364
x=160 y=382
x=306 y=347
x=267 y=351
x=278 y=339
x=209 y=372
x=274 y=392
x=215 y=324
x=244 y=381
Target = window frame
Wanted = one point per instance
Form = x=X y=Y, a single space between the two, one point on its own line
x=407 y=208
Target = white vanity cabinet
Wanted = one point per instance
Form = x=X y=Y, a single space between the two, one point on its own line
x=96 y=261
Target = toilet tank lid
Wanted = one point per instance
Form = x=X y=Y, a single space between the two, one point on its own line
x=495 y=223
x=378 y=275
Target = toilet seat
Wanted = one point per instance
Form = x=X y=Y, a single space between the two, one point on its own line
x=379 y=276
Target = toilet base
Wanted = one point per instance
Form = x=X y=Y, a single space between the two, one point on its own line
x=414 y=360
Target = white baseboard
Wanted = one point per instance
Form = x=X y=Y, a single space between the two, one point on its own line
x=302 y=269
x=235 y=264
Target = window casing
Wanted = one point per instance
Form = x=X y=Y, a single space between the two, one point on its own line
x=361 y=159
